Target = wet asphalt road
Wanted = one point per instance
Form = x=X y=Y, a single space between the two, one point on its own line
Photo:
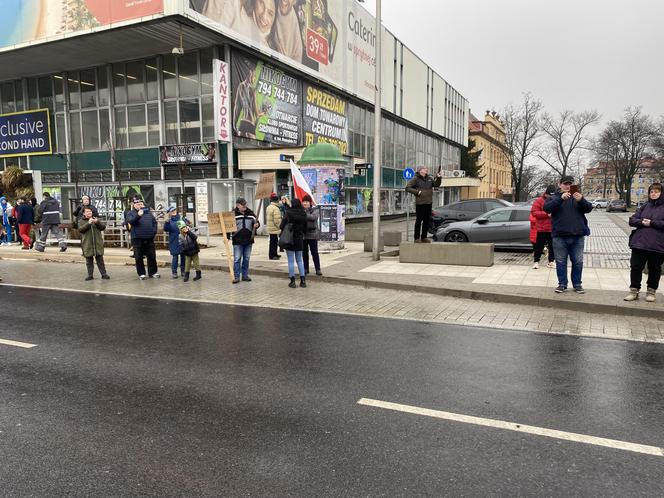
x=129 y=397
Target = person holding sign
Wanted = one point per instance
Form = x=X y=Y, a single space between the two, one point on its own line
x=243 y=239
x=422 y=188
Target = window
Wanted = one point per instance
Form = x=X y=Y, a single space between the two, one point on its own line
x=88 y=88
x=135 y=82
x=520 y=215
x=500 y=216
x=190 y=121
x=75 y=127
x=188 y=81
x=74 y=89
x=90 y=130
x=472 y=206
x=137 y=126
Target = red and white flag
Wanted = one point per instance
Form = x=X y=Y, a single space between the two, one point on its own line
x=300 y=185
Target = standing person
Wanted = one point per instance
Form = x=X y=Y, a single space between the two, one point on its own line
x=25 y=217
x=543 y=228
x=243 y=239
x=273 y=221
x=190 y=250
x=284 y=204
x=311 y=236
x=143 y=230
x=296 y=220
x=647 y=244
x=174 y=247
x=50 y=222
x=422 y=188
x=86 y=201
x=6 y=212
x=569 y=228
x=92 y=242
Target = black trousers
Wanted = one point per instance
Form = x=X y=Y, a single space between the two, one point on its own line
x=274 y=240
x=90 y=264
x=638 y=262
x=422 y=220
x=310 y=245
x=144 y=248
x=544 y=239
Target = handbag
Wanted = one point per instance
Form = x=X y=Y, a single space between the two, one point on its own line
x=286 y=237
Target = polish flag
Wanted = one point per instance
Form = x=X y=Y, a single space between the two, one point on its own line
x=300 y=185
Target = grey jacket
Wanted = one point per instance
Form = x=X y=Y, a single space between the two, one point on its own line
x=50 y=211
x=312 y=232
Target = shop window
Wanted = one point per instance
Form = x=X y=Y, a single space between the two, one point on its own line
x=171 y=122
x=188 y=81
x=136 y=126
x=170 y=82
x=152 y=79
x=88 y=88
x=75 y=134
x=190 y=121
x=90 y=130
x=135 y=82
x=154 y=137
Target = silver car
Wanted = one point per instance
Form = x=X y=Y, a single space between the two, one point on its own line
x=504 y=227
x=600 y=203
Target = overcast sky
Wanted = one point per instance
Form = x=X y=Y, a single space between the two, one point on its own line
x=576 y=54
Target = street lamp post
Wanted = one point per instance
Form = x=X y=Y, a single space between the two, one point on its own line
x=377 y=174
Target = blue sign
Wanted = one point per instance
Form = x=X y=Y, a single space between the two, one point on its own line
x=408 y=173
x=25 y=133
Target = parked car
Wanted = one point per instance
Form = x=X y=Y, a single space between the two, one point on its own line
x=616 y=205
x=600 y=203
x=507 y=227
x=463 y=210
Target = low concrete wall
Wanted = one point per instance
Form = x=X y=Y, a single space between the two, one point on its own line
x=368 y=243
x=392 y=238
x=447 y=253
x=356 y=234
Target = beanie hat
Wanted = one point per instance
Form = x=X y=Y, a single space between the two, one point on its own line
x=171 y=209
x=551 y=189
x=274 y=197
x=307 y=198
x=181 y=224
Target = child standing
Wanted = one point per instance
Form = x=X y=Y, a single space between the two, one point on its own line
x=190 y=249
x=92 y=243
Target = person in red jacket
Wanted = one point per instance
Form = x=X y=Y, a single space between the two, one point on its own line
x=543 y=227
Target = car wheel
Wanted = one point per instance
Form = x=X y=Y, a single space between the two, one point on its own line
x=456 y=237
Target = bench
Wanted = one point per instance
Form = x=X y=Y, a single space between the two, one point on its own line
x=447 y=253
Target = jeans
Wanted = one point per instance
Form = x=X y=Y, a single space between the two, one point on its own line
x=7 y=237
x=310 y=244
x=422 y=220
x=638 y=262
x=274 y=241
x=144 y=248
x=292 y=257
x=571 y=246
x=177 y=258
x=241 y=256
x=543 y=239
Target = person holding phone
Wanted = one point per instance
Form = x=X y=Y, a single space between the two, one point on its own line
x=568 y=208
x=422 y=188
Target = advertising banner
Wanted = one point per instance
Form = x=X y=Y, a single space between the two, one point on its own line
x=267 y=103
x=188 y=153
x=334 y=38
x=325 y=118
x=30 y=20
x=222 y=101
x=25 y=133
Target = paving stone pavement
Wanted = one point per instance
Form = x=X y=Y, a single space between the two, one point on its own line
x=271 y=292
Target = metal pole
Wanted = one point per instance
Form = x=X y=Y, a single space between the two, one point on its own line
x=377 y=140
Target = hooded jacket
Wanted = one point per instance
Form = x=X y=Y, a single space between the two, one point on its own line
x=6 y=210
x=171 y=228
x=142 y=227
x=648 y=238
x=92 y=241
x=567 y=217
x=188 y=243
x=273 y=217
x=542 y=218
x=50 y=211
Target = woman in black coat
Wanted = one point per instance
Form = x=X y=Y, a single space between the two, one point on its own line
x=295 y=223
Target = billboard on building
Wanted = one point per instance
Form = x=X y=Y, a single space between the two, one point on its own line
x=325 y=118
x=222 y=101
x=30 y=20
x=335 y=38
x=205 y=153
x=26 y=133
x=267 y=102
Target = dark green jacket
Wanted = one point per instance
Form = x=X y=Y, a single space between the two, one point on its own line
x=92 y=241
x=422 y=188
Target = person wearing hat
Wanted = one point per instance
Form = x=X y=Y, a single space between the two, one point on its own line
x=273 y=220
x=568 y=229
x=647 y=244
x=243 y=239
x=143 y=230
x=171 y=228
x=543 y=228
x=422 y=188
x=50 y=222
x=190 y=249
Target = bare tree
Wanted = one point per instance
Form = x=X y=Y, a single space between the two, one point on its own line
x=521 y=129
x=626 y=144
x=567 y=134
x=535 y=180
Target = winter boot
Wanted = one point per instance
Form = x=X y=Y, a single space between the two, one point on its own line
x=650 y=295
x=186 y=276
x=303 y=282
x=198 y=275
x=633 y=295
x=292 y=283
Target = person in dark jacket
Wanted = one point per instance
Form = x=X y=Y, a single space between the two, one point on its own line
x=143 y=230
x=25 y=216
x=92 y=242
x=422 y=188
x=171 y=228
x=6 y=216
x=296 y=220
x=190 y=250
x=569 y=228
x=86 y=201
x=311 y=236
x=49 y=210
x=243 y=239
x=647 y=244
x=542 y=228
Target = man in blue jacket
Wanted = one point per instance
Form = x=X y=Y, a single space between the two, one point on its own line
x=143 y=230
x=569 y=228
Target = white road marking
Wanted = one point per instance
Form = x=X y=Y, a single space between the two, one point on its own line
x=18 y=344
x=512 y=426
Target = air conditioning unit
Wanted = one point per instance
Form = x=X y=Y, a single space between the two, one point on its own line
x=458 y=173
